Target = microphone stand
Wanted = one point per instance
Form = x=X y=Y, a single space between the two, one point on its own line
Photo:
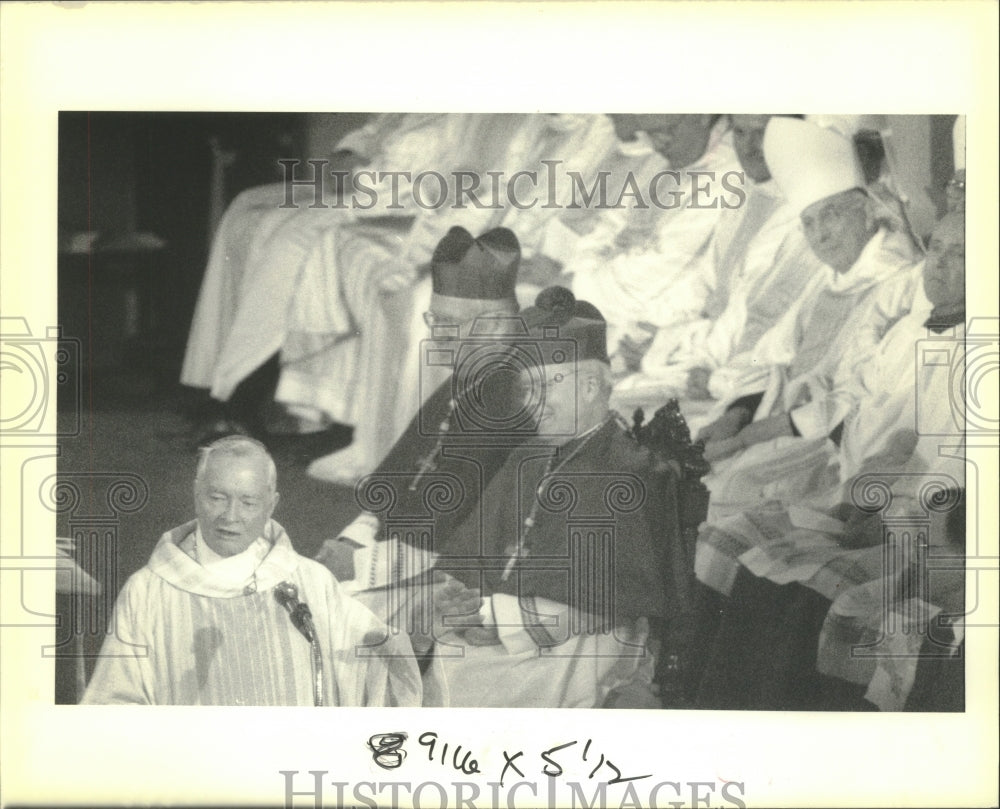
x=287 y=595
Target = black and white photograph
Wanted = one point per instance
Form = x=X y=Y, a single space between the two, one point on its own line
x=677 y=405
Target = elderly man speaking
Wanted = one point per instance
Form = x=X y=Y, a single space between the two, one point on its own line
x=227 y=613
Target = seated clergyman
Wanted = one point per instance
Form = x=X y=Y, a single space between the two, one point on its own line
x=227 y=613
x=561 y=548
x=472 y=308
x=796 y=391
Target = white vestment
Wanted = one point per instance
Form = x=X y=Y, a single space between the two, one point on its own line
x=540 y=663
x=256 y=263
x=911 y=387
x=905 y=387
x=188 y=633
x=812 y=354
x=654 y=269
x=762 y=264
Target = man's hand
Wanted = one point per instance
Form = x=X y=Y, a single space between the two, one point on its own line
x=449 y=599
x=726 y=426
x=460 y=606
x=452 y=600
x=754 y=433
x=697 y=383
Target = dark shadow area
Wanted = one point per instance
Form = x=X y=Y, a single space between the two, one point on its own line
x=137 y=193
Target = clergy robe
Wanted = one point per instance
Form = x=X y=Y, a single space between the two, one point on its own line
x=902 y=389
x=813 y=352
x=911 y=384
x=183 y=636
x=252 y=266
x=905 y=386
x=760 y=263
x=654 y=269
x=260 y=257
x=379 y=367
x=573 y=614
x=434 y=476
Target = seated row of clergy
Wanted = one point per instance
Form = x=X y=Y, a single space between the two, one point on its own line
x=553 y=239
x=805 y=346
x=842 y=406
x=651 y=268
x=308 y=282
x=709 y=281
x=796 y=386
x=306 y=278
x=501 y=248
x=817 y=369
x=226 y=612
x=863 y=507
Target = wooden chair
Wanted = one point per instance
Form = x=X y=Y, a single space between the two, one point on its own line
x=679 y=506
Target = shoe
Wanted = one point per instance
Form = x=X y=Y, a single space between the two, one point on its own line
x=304 y=448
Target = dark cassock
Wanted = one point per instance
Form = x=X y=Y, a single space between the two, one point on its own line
x=569 y=524
x=436 y=471
x=435 y=474
x=563 y=547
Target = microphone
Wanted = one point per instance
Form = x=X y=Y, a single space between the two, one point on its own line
x=287 y=594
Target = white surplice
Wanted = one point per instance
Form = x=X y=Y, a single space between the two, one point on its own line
x=806 y=369
x=650 y=264
x=762 y=263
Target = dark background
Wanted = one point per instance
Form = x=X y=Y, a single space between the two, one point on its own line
x=143 y=182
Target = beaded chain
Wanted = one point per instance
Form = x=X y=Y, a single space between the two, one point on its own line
x=522 y=549
x=429 y=462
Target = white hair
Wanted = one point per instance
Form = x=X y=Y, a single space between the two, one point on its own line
x=239 y=446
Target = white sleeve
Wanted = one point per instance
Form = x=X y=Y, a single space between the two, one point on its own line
x=526 y=623
x=123 y=674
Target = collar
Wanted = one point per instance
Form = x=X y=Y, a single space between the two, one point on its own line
x=174 y=561
x=239 y=570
